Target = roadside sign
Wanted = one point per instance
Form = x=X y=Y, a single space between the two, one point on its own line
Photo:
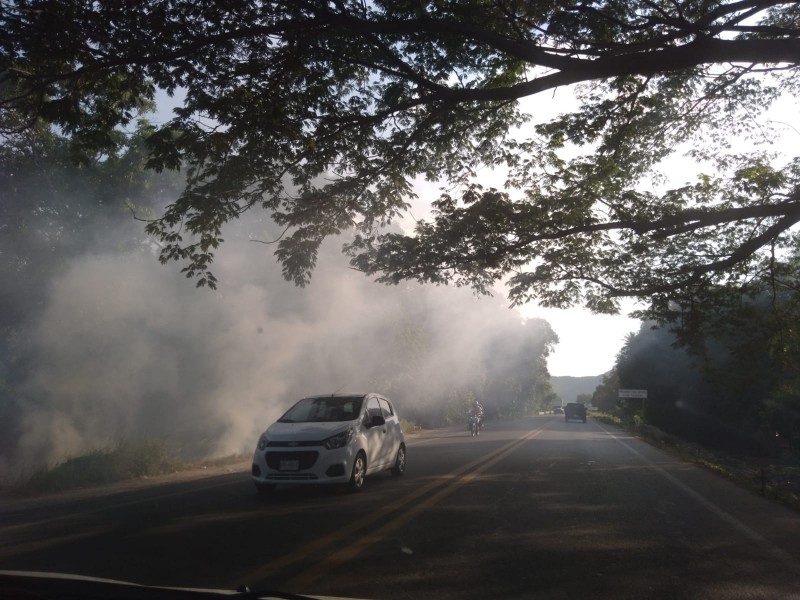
x=633 y=393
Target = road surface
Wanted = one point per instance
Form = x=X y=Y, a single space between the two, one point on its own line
x=535 y=508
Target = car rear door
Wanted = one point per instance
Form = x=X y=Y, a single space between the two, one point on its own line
x=378 y=439
x=394 y=431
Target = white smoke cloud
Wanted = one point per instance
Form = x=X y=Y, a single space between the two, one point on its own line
x=127 y=349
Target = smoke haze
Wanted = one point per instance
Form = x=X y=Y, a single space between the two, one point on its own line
x=124 y=348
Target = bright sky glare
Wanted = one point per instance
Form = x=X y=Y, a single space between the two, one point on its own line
x=588 y=343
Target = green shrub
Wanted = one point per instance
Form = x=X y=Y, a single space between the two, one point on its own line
x=408 y=426
x=605 y=417
x=97 y=467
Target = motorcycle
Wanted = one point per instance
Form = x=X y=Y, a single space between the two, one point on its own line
x=474 y=425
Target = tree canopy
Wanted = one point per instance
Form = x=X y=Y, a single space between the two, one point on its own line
x=736 y=390
x=325 y=112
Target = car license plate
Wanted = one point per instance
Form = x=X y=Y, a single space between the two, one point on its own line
x=290 y=465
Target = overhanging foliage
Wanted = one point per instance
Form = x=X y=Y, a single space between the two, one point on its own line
x=324 y=112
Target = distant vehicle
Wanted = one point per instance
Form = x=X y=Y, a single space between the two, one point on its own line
x=558 y=410
x=574 y=410
x=330 y=439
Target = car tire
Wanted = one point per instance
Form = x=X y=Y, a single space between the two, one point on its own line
x=264 y=488
x=400 y=462
x=358 y=473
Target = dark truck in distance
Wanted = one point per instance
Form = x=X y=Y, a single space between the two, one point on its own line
x=574 y=410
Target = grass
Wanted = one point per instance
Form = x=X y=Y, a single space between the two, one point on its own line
x=98 y=467
x=606 y=418
x=408 y=426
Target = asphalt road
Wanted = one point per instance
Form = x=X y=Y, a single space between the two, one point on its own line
x=536 y=508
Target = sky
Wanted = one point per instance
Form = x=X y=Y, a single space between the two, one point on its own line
x=588 y=343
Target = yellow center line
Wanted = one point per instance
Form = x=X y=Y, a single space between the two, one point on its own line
x=336 y=537
x=353 y=550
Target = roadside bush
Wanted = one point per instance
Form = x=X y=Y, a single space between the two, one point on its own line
x=408 y=426
x=98 y=467
x=605 y=417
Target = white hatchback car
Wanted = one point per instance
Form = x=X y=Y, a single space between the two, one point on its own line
x=339 y=438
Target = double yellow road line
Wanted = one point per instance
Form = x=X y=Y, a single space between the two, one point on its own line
x=428 y=495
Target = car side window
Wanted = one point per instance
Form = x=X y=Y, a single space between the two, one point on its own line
x=386 y=407
x=373 y=409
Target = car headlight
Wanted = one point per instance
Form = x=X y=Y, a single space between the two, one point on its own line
x=262 y=442
x=340 y=440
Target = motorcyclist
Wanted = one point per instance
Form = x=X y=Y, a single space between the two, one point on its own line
x=477 y=411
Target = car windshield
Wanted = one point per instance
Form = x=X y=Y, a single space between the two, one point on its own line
x=324 y=410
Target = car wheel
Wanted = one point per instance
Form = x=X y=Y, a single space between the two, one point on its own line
x=264 y=488
x=359 y=472
x=400 y=462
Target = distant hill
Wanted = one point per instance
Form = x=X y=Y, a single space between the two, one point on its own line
x=568 y=388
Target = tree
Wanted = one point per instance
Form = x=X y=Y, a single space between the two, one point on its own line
x=52 y=210
x=517 y=380
x=606 y=395
x=749 y=350
x=323 y=112
x=51 y=213
x=737 y=392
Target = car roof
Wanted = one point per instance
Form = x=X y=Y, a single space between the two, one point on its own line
x=337 y=395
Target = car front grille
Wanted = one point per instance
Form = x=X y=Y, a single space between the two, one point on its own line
x=291 y=477
x=305 y=458
x=294 y=444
